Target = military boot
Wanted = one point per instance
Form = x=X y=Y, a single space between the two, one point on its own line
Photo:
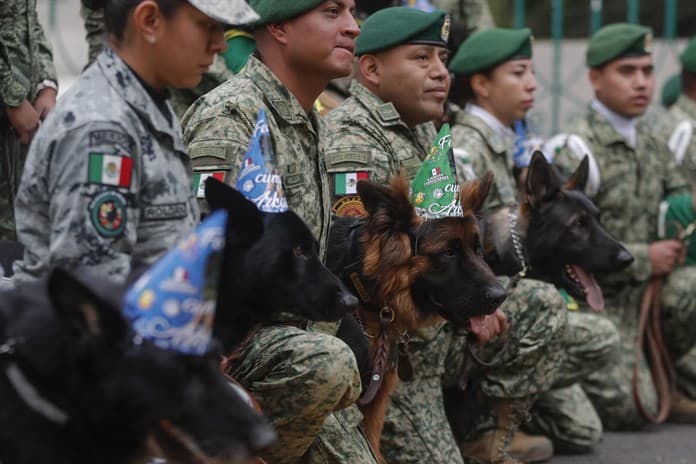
x=530 y=448
x=493 y=447
x=682 y=410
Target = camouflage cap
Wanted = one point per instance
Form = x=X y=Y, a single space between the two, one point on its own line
x=688 y=56
x=234 y=12
x=272 y=11
x=490 y=47
x=618 y=40
x=400 y=25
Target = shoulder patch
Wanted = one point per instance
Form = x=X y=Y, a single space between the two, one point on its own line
x=346 y=183
x=347 y=157
x=107 y=212
x=199 y=181
x=349 y=206
x=112 y=170
x=111 y=137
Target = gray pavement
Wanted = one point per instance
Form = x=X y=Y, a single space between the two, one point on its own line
x=664 y=444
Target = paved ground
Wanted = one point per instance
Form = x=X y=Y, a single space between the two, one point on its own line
x=666 y=444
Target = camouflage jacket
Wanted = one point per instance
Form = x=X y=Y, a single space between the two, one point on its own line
x=479 y=149
x=475 y=15
x=632 y=183
x=107 y=183
x=25 y=54
x=218 y=127
x=676 y=127
x=95 y=33
x=366 y=135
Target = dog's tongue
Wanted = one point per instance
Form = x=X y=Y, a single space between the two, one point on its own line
x=594 y=295
x=477 y=324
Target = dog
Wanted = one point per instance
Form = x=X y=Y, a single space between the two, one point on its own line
x=408 y=273
x=79 y=386
x=554 y=235
x=10 y=251
x=271 y=264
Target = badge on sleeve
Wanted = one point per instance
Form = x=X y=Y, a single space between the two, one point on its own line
x=108 y=214
x=346 y=183
x=199 y=181
x=349 y=206
x=112 y=170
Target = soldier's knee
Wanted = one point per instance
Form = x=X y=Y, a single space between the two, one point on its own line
x=583 y=438
x=333 y=369
x=540 y=310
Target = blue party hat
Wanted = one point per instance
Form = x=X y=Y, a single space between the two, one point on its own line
x=173 y=303
x=258 y=178
x=423 y=5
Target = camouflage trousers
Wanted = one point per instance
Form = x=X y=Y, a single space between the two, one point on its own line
x=416 y=428
x=307 y=384
x=610 y=388
x=565 y=414
x=12 y=157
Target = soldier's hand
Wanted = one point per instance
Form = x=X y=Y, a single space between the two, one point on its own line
x=45 y=102
x=665 y=255
x=487 y=327
x=25 y=120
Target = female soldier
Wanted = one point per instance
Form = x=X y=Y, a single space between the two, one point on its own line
x=107 y=184
x=495 y=83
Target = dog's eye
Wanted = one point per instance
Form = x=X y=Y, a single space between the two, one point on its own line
x=579 y=222
x=298 y=251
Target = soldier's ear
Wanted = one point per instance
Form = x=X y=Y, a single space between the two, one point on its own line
x=370 y=69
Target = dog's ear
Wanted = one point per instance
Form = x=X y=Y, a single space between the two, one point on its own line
x=392 y=203
x=245 y=221
x=542 y=182
x=83 y=314
x=579 y=178
x=473 y=193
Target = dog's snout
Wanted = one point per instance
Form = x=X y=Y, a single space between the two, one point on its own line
x=624 y=258
x=495 y=295
x=262 y=436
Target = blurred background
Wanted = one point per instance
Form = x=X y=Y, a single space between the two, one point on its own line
x=560 y=27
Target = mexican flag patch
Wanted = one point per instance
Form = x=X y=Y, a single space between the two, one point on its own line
x=199 y=181
x=347 y=182
x=112 y=170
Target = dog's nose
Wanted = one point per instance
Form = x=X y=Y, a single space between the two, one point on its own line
x=495 y=295
x=348 y=300
x=624 y=258
x=262 y=436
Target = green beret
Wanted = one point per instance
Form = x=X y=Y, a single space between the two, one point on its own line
x=618 y=41
x=490 y=47
x=688 y=56
x=671 y=90
x=273 y=11
x=401 y=25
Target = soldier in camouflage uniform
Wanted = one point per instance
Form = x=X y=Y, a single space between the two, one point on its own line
x=306 y=382
x=383 y=128
x=28 y=87
x=631 y=171
x=107 y=184
x=497 y=63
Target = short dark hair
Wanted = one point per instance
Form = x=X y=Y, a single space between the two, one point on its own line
x=688 y=82
x=116 y=12
x=461 y=92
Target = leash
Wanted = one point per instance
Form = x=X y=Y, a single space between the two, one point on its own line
x=519 y=252
x=661 y=368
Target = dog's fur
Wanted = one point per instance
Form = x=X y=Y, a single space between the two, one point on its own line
x=423 y=270
x=271 y=264
x=560 y=232
x=121 y=394
x=10 y=251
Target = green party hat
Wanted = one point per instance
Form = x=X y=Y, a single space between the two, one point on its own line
x=434 y=190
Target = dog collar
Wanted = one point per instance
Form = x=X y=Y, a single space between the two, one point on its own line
x=28 y=392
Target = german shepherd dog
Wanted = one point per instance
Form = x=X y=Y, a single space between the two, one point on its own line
x=408 y=273
x=78 y=386
x=271 y=264
x=555 y=234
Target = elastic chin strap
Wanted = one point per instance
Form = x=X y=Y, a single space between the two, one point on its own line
x=28 y=393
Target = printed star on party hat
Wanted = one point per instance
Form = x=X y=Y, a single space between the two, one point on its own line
x=259 y=179
x=434 y=190
x=173 y=303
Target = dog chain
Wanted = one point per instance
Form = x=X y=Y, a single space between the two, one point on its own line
x=517 y=246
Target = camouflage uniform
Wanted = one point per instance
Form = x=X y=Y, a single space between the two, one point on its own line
x=180 y=99
x=76 y=208
x=284 y=366
x=366 y=134
x=25 y=62
x=589 y=340
x=632 y=182
x=679 y=121
x=475 y=15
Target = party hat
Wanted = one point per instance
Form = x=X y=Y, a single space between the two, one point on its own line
x=259 y=179
x=434 y=190
x=173 y=303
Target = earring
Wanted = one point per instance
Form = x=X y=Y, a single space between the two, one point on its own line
x=152 y=39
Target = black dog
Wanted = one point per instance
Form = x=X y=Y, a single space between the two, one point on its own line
x=78 y=386
x=555 y=234
x=271 y=264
